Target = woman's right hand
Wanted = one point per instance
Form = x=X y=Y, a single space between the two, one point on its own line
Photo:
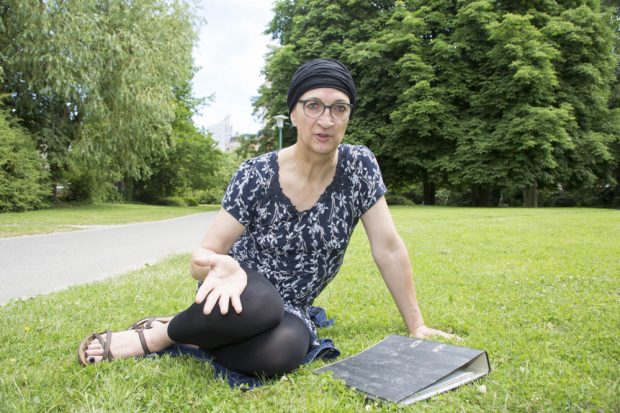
x=223 y=284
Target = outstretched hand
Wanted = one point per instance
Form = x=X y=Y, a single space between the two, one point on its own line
x=425 y=332
x=223 y=285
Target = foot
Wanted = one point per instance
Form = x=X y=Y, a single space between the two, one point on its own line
x=125 y=344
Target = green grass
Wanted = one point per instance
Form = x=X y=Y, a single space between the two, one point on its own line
x=71 y=218
x=539 y=289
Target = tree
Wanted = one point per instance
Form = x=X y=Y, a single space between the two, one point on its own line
x=24 y=182
x=408 y=70
x=490 y=96
x=614 y=100
x=192 y=163
x=514 y=125
x=95 y=79
x=586 y=70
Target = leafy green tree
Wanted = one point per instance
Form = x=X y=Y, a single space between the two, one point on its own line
x=409 y=70
x=514 y=126
x=614 y=101
x=586 y=70
x=95 y=79
x=192 y=163
x=471 y=94
x=249 y=145
x=24 y=182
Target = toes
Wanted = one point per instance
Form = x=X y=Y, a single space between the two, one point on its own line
x=94 y=359
x=94 y=345
x=94 y=352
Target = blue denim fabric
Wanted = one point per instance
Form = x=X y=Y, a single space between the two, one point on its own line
x=324 y=350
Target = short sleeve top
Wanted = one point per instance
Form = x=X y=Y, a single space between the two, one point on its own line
x=300 y=252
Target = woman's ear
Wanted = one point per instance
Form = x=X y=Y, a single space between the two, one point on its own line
x=293 y=122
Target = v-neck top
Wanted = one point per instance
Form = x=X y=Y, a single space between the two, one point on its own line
x=300 y=252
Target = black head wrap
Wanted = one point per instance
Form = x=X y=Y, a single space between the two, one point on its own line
x=320 y=73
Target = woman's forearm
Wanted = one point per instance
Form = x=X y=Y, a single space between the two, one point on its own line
x=395 y=268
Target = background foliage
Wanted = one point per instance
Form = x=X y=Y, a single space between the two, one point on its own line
x=104 y=88
x=492 y=101
x=22 y=171
x=468 y=102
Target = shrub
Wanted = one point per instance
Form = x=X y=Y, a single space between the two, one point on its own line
x=81 y=186
x=395 y=199
x=172 y=201
x=210 y=196
x=191 y=201
x=25 y=182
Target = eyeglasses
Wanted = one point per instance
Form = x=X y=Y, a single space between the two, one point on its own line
x=315 y=108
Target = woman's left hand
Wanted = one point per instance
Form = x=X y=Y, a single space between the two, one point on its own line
x=223 y=285
x=425 y=332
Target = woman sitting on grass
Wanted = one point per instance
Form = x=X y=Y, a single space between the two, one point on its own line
x=278 y=240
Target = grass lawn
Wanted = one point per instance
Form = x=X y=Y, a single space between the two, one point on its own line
x=539 y=289
x=71 y=218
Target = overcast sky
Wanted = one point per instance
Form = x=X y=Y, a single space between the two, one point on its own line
x=230 y=55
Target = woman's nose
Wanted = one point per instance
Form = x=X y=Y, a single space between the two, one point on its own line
x=326 y=118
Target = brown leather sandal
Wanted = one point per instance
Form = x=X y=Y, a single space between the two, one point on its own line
x=106 y=343
x=147 y=323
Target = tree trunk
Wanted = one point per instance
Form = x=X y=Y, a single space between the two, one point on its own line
x=480 y=195
x=429 y=192
x=54 y=192
x=530 y=196
x=128 y=188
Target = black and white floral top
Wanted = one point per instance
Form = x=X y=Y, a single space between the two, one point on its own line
x=300 y=252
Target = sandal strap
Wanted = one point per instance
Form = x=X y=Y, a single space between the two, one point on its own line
x=106 y=343
x=145 y=348
x=146 y=323
x=142 y=324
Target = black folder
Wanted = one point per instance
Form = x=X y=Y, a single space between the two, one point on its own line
x=406 y=370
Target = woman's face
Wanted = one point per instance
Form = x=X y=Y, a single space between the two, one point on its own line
x=321 y=135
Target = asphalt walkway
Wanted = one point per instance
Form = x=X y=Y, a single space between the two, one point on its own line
x=40 y=264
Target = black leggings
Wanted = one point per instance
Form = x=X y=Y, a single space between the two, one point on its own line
x=262 y=341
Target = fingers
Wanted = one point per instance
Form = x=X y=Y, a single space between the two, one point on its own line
x=426 y=333
x=210 y=302
x=215 y=296
x=235 y=301
x=223 y=301
x=453 y=337
x=442 y=334
x=203 y=291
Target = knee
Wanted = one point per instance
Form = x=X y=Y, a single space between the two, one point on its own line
x=265 y=305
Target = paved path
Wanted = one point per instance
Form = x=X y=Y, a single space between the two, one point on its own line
x=39 y=264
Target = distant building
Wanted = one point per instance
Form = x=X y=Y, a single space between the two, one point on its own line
x=222 y=133
x=234 y=143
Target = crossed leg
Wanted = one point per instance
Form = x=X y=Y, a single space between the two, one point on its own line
x=262 y=340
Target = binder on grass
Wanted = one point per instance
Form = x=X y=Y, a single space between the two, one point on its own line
x=406 y=370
